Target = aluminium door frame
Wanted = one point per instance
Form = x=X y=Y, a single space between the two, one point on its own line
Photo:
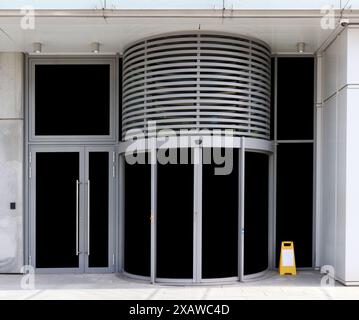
x=242 y=144
x=196 y=216
x=83 y=170
x=32 y=204
x=270 y=213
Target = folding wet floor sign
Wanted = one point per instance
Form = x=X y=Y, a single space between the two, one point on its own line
x=287 y=259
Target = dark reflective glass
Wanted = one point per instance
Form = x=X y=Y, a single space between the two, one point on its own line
x=295 y=98
x=99 y=209
x=220 y=220
x=175 y=221
x=72 y=99
x=137 y=219
x=256 y=213
x=56 y=175
x=295 y=200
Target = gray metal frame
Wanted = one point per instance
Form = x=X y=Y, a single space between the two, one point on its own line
x=276 y=142
x=53 y=60
x=32 y=211
x=34 y=143
x=83 y=170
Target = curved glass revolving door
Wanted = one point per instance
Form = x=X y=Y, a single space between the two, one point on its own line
x=207 y=226
x=256 y=196
x=174 y=221
x=137 y=218
x=220 y=207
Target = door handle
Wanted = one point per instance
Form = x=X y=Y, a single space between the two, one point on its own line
x=77 y=217
x=88 y=217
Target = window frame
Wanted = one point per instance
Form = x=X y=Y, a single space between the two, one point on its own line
x=81 y=60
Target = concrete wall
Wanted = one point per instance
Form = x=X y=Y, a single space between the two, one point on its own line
x=11 y=162
x=339 y=158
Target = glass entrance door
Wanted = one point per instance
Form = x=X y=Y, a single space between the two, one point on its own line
x=175 y=216
x=99 y=177
x=71 y=213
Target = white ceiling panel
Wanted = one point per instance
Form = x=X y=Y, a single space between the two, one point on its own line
x=73 y=32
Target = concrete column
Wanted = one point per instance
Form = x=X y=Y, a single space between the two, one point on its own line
x=339 y=236
x=11 y=162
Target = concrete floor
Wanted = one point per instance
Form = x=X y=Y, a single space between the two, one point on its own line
x=306 y=285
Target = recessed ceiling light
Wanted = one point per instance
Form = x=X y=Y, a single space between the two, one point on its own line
x=301 y=47
x=95 y=47
x=37 y=47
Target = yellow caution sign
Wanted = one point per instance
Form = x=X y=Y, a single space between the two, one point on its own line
x=287 y=259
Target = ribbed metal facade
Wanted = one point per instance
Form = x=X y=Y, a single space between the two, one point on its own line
x=196 y=81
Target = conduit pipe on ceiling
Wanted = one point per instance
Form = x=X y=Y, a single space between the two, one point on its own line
x=343 y=23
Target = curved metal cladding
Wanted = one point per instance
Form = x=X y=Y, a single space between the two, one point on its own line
x=195 y=81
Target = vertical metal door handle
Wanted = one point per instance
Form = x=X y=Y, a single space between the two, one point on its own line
x=88 y=217
x=77 y=217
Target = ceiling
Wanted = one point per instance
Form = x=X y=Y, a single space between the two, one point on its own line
x=74 y=31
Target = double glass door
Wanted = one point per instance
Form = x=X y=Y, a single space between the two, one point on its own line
x=72 y=215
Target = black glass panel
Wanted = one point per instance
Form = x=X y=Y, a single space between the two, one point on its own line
x=175 y=221
x=220 y=221
x=120 y=101
x=99 y=208
x=256 y=213
x=137 y=219
x=295 y=199
x=272 y=99
x=72 y=99
x=295 y=94
x=56 y=175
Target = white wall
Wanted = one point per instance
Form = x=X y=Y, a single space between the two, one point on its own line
x=339 y=163
x=11 y=162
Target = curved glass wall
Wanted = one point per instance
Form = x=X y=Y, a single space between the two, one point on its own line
x=220 y=207
x=256 y=213
x=137 y=218
x=174 y=221
x=197 y=218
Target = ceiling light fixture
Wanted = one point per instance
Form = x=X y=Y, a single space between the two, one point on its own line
x=95 y=47
x=37 y=46
x=301 y=47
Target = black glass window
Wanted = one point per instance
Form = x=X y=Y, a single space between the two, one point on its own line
x=120 y=101
x=220 y=221
x=56 y=175
x=295 y=98
x=175 y=221
x=256 y=213
x=72 y=99
x=295 y=199
x=137 y=219
x=99 y=209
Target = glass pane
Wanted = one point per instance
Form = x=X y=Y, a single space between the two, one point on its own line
x=72 y=99
x=56 y=175
x=272 y=124
x=137 y=219
x=295 y=199
x=175 y=221
x=99 y=208
x=120 y=100
x=295 y=93
x=220 y=221
x=256 y=213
